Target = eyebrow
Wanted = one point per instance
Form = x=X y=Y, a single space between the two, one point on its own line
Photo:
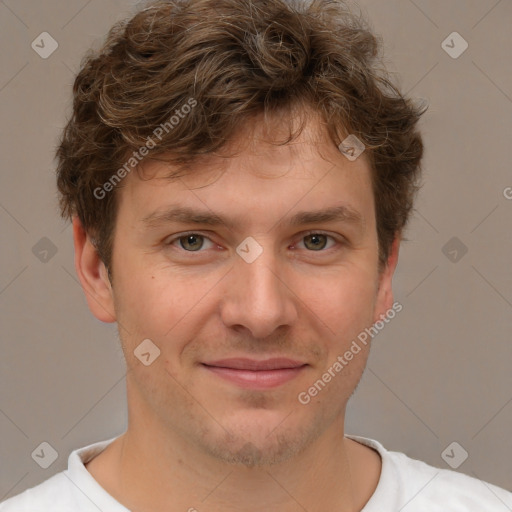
x=343 y=213
x=187 y=215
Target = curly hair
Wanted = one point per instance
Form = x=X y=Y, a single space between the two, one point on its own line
x=231 y=60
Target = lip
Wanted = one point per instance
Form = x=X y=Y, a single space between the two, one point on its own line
x=254 y=374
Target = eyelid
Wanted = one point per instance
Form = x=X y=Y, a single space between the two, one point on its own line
x=339 y=239
x=318 y=232
x=169 y=241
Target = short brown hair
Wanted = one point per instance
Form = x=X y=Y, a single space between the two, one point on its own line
x=235 y=59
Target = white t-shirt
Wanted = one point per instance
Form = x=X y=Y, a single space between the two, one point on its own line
x=405 y=485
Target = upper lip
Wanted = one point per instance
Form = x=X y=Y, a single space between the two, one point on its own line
x=242 y=363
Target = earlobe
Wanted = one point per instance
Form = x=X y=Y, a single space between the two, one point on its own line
x=385 y=293
x=93 y=275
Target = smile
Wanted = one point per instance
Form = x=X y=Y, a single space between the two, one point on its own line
x=251 y=374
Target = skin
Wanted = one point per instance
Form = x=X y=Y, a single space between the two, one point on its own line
x=195 y=440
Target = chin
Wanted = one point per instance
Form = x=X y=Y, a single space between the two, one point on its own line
x=260 y=443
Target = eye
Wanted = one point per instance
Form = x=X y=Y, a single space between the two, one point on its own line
x=318 y=241
x=191 y=242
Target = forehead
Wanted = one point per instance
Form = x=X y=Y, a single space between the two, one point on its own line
x=257 y=175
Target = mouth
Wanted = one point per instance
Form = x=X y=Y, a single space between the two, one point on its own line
x=253 y=374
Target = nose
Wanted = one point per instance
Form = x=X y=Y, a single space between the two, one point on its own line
x=257 y=297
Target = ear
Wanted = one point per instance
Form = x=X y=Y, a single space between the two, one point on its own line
x=384 y=300
x=93 y=275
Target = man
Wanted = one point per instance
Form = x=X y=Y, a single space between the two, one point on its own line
x=239 y=176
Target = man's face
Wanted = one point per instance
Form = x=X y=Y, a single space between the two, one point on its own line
x=218 y=315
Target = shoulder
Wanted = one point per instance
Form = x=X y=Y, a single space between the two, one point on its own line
x=55 y=494
x=71 y=490
x=412 y=485
x=449 y=490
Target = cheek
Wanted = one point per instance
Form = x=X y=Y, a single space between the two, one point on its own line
x=345 y=305
x=161 y=305
x=343 y=302
x=143 y=302
x=146 y=309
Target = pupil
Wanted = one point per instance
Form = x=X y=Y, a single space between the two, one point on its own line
x=316 y=241
x=192 y=242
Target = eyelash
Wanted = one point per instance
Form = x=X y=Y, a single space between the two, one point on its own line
x=338 y=241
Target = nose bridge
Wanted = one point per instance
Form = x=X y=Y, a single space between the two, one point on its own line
x=256 y=297
x=263 y=285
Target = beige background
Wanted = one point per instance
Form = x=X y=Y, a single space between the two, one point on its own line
x=440 y=372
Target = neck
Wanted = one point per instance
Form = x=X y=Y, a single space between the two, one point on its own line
x=177 y=477
x=154 y=467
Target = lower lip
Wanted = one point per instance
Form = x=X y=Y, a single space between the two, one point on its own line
x=263 y=379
